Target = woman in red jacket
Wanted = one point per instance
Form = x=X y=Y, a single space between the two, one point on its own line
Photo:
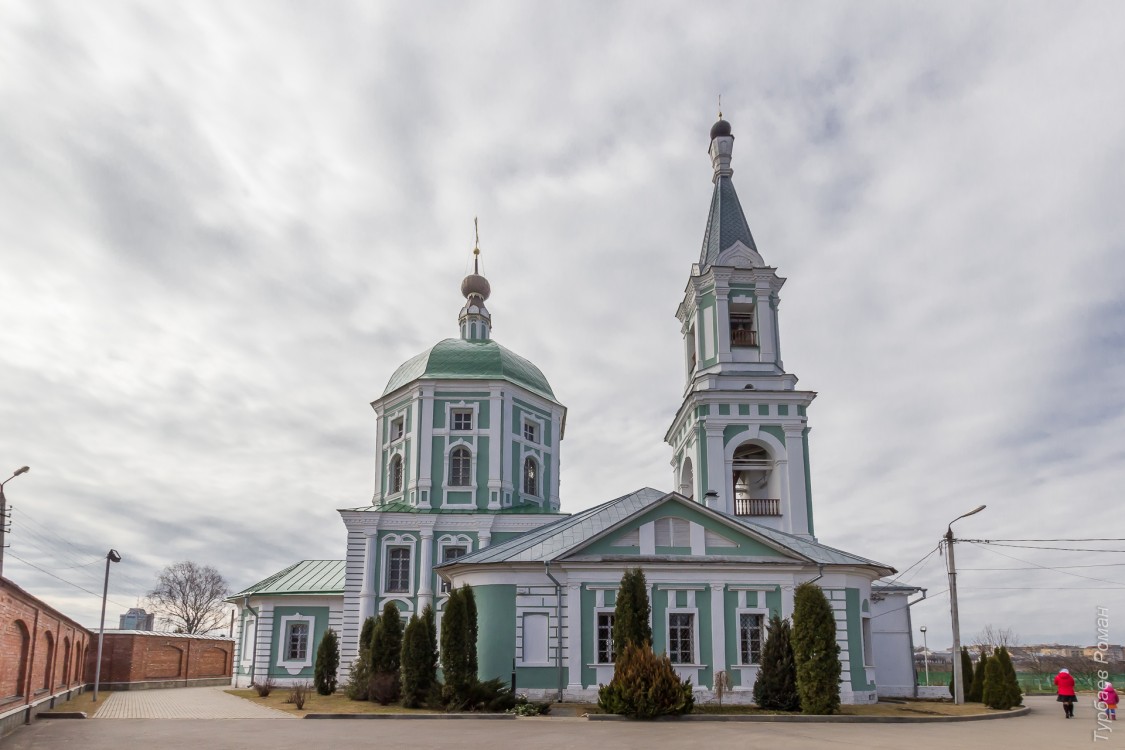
x=1065 y=684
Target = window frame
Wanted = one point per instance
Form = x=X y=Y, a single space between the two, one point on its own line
x=461 y=543
x=464 y=412
x=397 y=540
x=285 y=623
x=399 y=567
x=693 y=630
x=522 y=661
x=450 y=479
x=398 y=428
x=762 y=613
x=396 y=470
x=537 y=490
x=599 y=613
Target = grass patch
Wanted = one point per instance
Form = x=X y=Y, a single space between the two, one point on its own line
x=83 y=702
x=337 y=703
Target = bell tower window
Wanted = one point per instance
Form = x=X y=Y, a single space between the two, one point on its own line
x=530 y=477
x=742 y=331
x=460 y=466
x=396 y=475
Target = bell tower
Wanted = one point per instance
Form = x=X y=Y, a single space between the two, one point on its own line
x=740 y=437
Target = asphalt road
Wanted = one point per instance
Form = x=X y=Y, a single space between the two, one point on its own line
x=1043 y=728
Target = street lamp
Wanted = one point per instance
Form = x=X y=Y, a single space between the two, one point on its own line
x=110 y=557
x=926 y=654
x=4 y=512
x=958 y=677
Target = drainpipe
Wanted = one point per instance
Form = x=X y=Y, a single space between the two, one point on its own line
x=558 y=625
x=254 y=649
x=819 y=575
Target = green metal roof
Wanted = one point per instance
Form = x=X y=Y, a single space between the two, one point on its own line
x=726 y=224
x=305 y=577
x=557 y=540
x=458 y=359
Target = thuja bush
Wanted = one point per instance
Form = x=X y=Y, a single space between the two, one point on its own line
x=631 y=612
x=458 y=648
x=327 y=662
x=966 y=674
x=419 y=660
x=1001 y=688
x=815 y=650
x=359 y=679
x=776 y=686
x=645 y=686
x=386 y=654
x=974 y=689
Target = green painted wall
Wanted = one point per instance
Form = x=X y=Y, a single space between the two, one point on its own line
x=277 y=641
x=496 y=625
x=732 y=430
x=855 y=642
x=774 y=430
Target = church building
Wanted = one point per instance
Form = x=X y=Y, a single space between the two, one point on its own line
x=467 y=492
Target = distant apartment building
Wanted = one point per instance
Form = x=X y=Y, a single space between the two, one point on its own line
x=136 y=619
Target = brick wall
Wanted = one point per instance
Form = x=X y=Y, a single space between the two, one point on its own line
x=138 y=659
x=42 y=651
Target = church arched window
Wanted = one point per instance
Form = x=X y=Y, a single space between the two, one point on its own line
x=396 y=474
x=460 y=467
x=530 y=476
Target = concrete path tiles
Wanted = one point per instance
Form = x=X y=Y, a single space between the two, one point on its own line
x=183 y=703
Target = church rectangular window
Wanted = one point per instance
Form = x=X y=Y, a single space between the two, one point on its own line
x=398 y=570
x=531 y=432
x=605 y=638
x=460 y=467
x=297 y=642
x=462 y=420
x=750 y=638
x=681 y=637
x=451 y=553
x=398 y=428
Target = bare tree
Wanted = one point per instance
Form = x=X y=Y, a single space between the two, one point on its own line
x=189 y=597
x=992 y=638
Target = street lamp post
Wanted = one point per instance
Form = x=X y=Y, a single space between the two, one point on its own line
x=4 y=512
x=111 y=557
x=926 y=654
x=958 y=677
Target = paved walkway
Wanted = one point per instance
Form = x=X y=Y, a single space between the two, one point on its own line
x=183 y=703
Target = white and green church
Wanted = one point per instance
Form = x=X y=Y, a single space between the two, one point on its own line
x=467 y=469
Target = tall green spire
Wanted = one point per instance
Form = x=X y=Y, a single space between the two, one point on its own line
x=726 y=223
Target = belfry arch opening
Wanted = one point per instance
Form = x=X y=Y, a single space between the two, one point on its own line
x=687 y=479
x=756 y=487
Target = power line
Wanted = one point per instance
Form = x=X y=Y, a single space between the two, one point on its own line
x=71 y=583
x=1090 y=539
x=1045 y=567
x=1033 y=546
x=1057 y=567
x=921 y=560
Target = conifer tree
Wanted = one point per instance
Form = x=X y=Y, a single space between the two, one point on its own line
x=776 y=686
x=417 y=663
x=471 y=619
x=327 y=662
x=386 y=654
x=631 y=612
x=455 y=633
x=359 y=679
x=966 y=675
x=974 y=691
x=816 y=652
x=998 y=689
x=1011 y=680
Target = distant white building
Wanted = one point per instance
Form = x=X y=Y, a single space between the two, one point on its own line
x=136 y=619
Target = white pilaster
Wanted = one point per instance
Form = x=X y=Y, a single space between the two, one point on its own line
x=798 y=509
x=425 y=448
x=416 y=440
x=378 y=494
x=495 y=437
x=722 y=310
x=717 y=478
x=367 y=589
x=574 y=635
x=766 y=329
x=426 y=570
x=718 y=628
x=556 y=453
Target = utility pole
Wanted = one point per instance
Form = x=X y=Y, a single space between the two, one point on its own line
x=958 y=677
x=111 y=557
x=4 y=513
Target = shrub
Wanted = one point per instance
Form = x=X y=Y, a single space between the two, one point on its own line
x=525 y=707
x=490 y=696
x=298 y=694
x=386 y=654
x=815 y=650
x=966 y=674
x=327 y=662
x=631 y=612
x=645 y=686
x=359 y=680
x=419 y=660
x=974 y=689
x=776 y=686
x=1007 y=694
x=995 y=692
x=457 y=663
x=264 y=686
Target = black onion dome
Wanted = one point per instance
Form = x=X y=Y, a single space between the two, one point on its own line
x=475 y=284
x=720 y=128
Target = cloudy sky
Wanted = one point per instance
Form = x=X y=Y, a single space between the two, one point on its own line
x=223 y=225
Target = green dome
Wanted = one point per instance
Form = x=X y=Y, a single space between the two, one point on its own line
x=458 y=359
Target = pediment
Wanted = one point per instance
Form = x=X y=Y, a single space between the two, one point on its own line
x=739 y=255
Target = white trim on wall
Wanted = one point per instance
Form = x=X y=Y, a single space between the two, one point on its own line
x=295 y=666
